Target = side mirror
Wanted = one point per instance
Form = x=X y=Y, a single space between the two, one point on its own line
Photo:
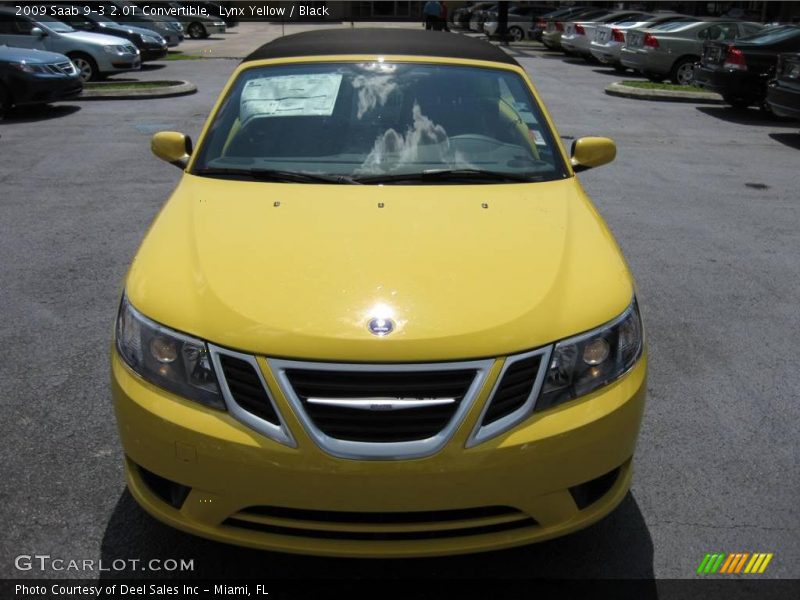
x=588 y=152
x=173 y=147
x=38 y=32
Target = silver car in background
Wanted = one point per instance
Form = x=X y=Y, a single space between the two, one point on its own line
x=578 y=34
x=94 y=54
x=608 y=39
x=671 y=49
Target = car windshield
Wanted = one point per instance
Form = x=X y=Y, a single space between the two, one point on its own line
x=371 y=122
x=55 y=25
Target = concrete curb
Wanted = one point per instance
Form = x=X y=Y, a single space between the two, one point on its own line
x=178 y=88
x=624 y=91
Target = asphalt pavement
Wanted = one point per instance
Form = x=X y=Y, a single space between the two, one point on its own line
x=703 y=201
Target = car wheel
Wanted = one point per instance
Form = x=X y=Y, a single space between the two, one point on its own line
x=196 y=31
x=516 y=34
x=736 y=101
x=87 y=66
x=683 y=71
x=620 y=69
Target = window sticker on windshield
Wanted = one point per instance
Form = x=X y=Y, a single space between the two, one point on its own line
x=537 y=137
x=290 y=96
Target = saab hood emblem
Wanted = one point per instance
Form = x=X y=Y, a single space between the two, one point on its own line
x=380 y=327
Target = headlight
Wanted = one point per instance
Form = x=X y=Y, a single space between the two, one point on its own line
x=29 y=68
x=171 y=360
x=151 y=39
x=115 y=49
x=581 y=364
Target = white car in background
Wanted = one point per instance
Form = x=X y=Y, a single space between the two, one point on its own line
x=95 y=55
x=578 y=34
x=609 y=38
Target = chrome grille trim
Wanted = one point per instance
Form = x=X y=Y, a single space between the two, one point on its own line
x=280 y=432
x=380 y=450
x=482 y=432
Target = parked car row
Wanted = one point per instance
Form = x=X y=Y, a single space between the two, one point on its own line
x=48 y=51
x=747 y=63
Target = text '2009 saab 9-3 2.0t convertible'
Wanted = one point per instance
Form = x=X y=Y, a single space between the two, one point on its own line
x=379 y=316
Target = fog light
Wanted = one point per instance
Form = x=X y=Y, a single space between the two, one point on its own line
x=596 y=352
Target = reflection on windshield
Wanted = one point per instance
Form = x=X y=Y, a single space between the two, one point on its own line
x=393 y=148
x=372 y=91
x=349 y=120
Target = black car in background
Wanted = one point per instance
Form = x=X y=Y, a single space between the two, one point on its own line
x=35 y=77
x=740 y=70
x=151 y=45
x=783 y=93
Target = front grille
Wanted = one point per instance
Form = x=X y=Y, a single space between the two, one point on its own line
x=380 y=422
x=380 y=526
x=65 y=67
x=514 y=389
x=246 y=388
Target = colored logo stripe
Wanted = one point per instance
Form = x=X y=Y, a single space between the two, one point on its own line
x=721 y=562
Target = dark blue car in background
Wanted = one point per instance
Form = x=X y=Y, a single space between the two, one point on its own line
x=35 y=77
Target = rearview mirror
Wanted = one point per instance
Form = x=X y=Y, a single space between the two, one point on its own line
x=588 y=152
x=38 y=32
x=173 y=147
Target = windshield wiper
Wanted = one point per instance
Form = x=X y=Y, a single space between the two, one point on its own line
x=439 y=175
x=276 y=175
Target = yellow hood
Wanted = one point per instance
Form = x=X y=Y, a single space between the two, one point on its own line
x=297 y=270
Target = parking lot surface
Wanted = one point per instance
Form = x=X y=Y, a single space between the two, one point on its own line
x=703 y=201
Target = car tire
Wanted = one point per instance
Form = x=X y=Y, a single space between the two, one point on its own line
x=620 y=69
x=736 y=101
x=196 y=31
x=87 y=66
x=516 y=34
x=682 y=72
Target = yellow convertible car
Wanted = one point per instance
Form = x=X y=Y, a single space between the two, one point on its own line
x=379 y=316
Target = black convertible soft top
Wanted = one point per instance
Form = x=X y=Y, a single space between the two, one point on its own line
x=413 y=42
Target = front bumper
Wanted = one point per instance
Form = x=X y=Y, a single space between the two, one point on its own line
x=29 y=88
x=152 y=52
x=228 y=469
x=119 y=63
x=212 y=28
x=173 y=37
x=783 y=100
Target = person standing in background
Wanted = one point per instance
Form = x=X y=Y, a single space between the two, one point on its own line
x=432 y=13
x=445 y=26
